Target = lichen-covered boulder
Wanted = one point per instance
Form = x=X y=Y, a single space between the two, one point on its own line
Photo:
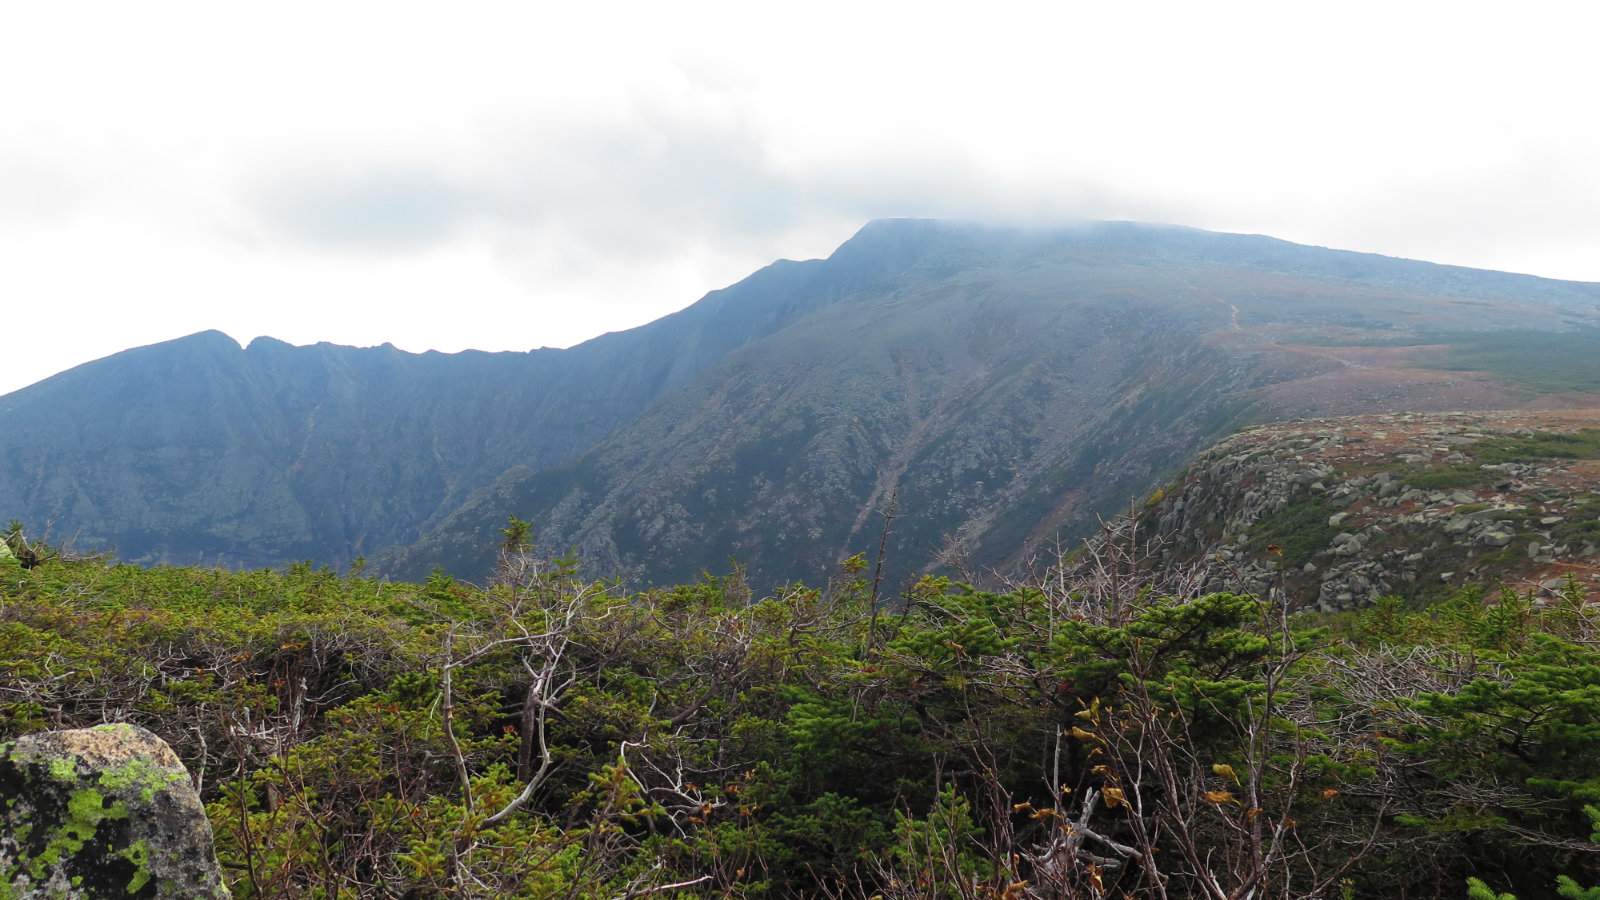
x=102 y=812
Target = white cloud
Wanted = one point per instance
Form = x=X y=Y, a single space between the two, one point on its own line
x=506 y=175
x=390 y=211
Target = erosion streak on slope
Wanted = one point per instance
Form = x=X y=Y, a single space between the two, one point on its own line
x=894 y=469
x=305 y=443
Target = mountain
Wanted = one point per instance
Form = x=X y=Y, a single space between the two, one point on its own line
x=198 y=451
x=1341 y=511
x=1004 y=389
x=1001 y=386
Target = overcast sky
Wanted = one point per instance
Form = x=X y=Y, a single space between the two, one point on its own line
x=509 y=176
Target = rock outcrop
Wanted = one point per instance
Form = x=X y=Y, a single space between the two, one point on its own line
x=1338 y=512
x=102 y=812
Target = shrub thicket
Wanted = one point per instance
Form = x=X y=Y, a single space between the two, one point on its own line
x=545 y=736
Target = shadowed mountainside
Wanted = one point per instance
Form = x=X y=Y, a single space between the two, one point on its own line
x=197 y=451
x=1005 y=386
x=1005 y=390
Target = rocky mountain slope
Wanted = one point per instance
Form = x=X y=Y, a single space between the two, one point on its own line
x=197 y=451
x=985 y=427
x=1001 y=387
x=1337 y=512
x=1004 y=390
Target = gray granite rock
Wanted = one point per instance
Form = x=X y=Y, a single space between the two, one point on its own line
x=102 y=812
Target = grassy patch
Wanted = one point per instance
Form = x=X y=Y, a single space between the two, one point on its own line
x=1300 y=530
x=1442 y=478
x=1582 y=525
x=1543 y=361
x=1584 y=444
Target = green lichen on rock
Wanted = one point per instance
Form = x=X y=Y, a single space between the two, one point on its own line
x=64 y=769
x=138 y=853
x=86 y=809
x=102 y=812
x=141 y=775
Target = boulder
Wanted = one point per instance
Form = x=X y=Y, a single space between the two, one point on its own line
x=102 y=812
x=1347 y=544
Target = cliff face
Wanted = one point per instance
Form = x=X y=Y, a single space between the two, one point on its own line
x=992 y=417
x=1336 y=512
x=198 y=451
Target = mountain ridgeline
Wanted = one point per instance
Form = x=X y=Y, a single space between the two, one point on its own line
x=999 y=390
